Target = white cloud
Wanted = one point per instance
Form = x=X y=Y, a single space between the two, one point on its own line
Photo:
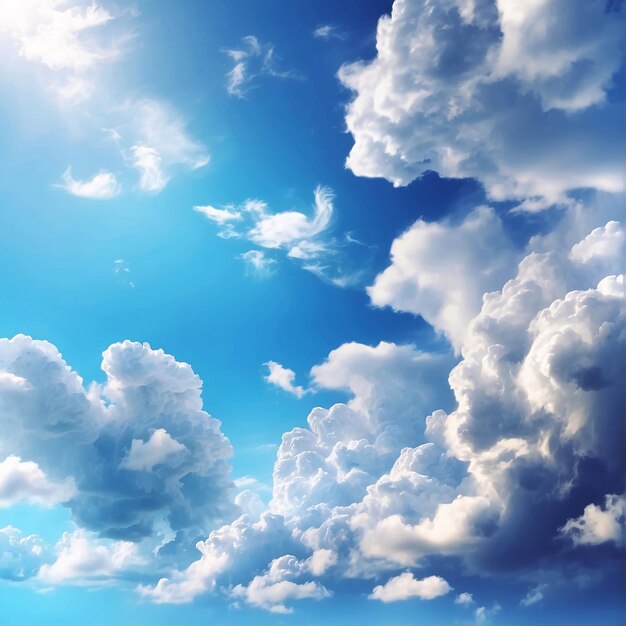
x=405 y=586
x=327 y=31
x=148 y=161
x=70 y=42
x=243 y=546
x=158 y=142
x=346 y=447
x=457 y=527
x=602 y=243
x=441 y=270
x=259 y=262
x=320 y=561
x=483 y=613
x=464 y=89
x=272 y=590
x=81 y=559
x=250 y=503
x=149 y=405
x=51 y=34
x=103 y=186
x=250 y=62
x=599 y=524
x=464 y=599
x=537 y=396
x=570 y=65
x=250 y=482
x=23 y=481
x=160 y=448
x=303 y=238
x=20 y=556
x=534 y=595
x=289 y=228
x=283 y=378
x=219 y=216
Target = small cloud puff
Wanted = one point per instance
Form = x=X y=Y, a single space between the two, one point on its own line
x=406 y=586
x=599 y=524
x=283 y=378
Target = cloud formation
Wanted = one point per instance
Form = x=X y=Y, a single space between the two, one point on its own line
x=599 y=524
x=303 y=238
x=487 y=90
x=440 y=270
x=147 y=462
x=69 y=41
x=83 y=560
x=103 y=186
x=23 y=481
x=283 y=378
x=273 y=589
x=160 y=143
x=405 y=586
x=252 y=61
x=20 y=556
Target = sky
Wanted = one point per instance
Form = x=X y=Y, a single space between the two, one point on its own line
x=313 y=312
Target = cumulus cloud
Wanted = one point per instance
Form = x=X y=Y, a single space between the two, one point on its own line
x=148 y=463
x=81 y=559
x=599 y=524
x=538 y=399
x=464 y=599
x=20 y=556
x=159 y=448
x=272 y=590
x=346 y=447
x=23 y=481
x=283 y=378
x=389 y=480
x=487 y=90
x=252 y=61
x=601 y=244
x=406 y=586
x=103 y=186
x=441 y=270
x=238 y=548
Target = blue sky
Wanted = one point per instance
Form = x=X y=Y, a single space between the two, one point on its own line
x=388 y=235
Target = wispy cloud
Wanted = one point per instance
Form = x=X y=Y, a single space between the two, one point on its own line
x=70 y=41
x=534 y=595
x=103 y=186
x=328 y=31
x=121 y=269
x=159 y=142
x=259 y=263
x=253 y=60
x=301 y=237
